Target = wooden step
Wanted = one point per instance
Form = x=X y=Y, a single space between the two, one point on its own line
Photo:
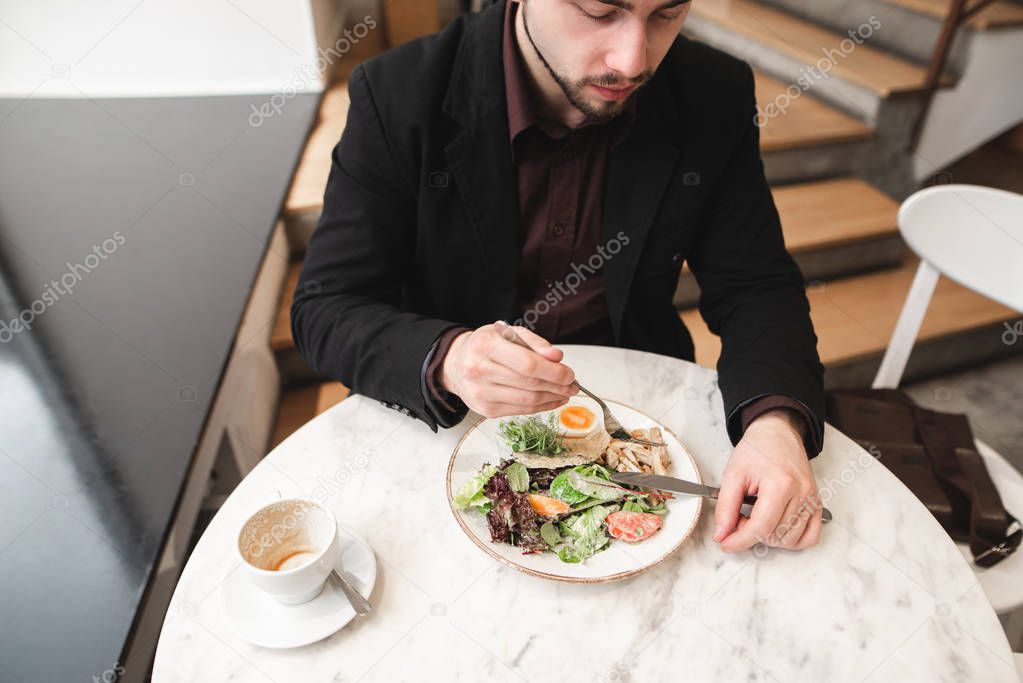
x=998 y=14
x=301 y=404
x=877 y=71
x=305 y=199
x=832 y=228
x=802 y=121
x=304 y=202
x=408 y=19
x=372 y=44
x=311 y=175
x=828 y=213
x=290 y=365
x=854 y=318
x=334 y=106
x=280 y=337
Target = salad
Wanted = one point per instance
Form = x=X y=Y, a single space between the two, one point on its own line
x=573 y=509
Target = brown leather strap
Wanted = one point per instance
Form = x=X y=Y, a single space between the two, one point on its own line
x=909 y=462
x=940 y=434
x=934 y=454
x=990 y=539
x=980 y=518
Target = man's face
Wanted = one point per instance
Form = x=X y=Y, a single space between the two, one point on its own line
x=601 y=51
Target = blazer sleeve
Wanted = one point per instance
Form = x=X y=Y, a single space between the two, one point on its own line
x=751 y=291
x=347 y=318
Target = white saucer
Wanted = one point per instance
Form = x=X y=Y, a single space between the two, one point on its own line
x=262 y=620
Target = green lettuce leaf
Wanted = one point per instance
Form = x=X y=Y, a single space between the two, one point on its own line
x=582 y=483
x=583 y=534
x=550 y=535
x=644 y=503
x=518 y=477
x=562 y=489
x=567 y=553
x=593 y=486
x=471 y=493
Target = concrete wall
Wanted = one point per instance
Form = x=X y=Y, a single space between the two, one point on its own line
x=984 y=103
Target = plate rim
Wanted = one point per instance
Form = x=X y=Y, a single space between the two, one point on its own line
x=302 y=641
x=562 y=577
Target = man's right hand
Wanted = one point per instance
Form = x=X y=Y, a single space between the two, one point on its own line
x=496 y=377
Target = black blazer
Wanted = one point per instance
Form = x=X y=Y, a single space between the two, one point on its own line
x=419 y=230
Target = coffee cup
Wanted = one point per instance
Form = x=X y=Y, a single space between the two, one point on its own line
x=288 y=549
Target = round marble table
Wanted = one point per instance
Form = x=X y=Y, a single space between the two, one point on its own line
x=885 y=596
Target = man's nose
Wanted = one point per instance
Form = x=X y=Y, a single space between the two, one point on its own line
x=627 y=53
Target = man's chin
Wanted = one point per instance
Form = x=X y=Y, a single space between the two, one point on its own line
x=602 y=110
x=598 y=109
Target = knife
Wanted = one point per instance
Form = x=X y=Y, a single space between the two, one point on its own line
x=664 y=483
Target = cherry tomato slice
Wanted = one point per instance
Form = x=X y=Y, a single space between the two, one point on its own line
x=632 y=526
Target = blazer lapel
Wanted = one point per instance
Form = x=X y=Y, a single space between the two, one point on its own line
x=639 y=170
x=479 y=157
x=480 y=162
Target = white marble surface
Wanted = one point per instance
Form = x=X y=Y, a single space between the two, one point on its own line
x=885 y=596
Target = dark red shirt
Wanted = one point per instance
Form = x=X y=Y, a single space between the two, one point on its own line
x=560 y=173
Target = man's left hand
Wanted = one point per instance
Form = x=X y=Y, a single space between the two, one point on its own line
x=770 y=462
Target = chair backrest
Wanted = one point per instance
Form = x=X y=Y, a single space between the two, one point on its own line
x=971 y=234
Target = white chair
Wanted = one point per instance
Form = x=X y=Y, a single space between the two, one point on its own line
x=974 y=236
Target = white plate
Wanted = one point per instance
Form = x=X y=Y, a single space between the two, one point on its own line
x=483 y=444
x=262 y=620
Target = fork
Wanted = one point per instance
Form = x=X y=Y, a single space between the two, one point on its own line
x=611 y=423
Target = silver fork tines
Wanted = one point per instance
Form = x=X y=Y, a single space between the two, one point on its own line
x=611 y=423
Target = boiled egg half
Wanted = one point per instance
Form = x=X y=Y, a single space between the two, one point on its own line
x=578 y=420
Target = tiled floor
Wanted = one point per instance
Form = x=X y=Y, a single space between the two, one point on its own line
x=991 y=396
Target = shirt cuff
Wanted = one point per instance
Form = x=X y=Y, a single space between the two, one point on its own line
x=754 y=408
x=447 y=408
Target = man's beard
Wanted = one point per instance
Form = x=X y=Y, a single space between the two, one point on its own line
x=574 y=91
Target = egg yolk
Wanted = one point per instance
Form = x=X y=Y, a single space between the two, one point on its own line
x=576 y=417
